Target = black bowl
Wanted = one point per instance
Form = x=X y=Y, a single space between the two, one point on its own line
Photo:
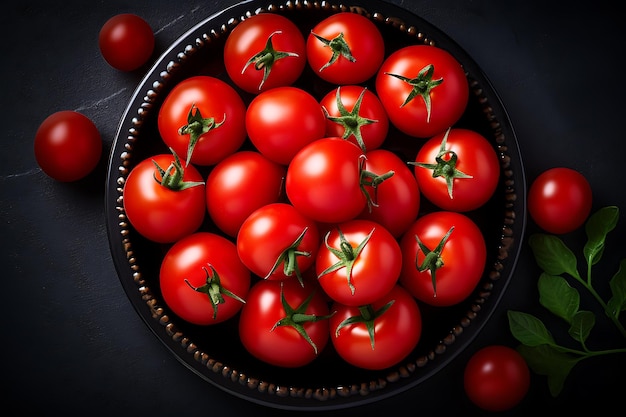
x=214 y=352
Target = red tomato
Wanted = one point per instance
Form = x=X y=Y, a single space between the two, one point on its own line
x=345 y=48
x=457 y=256
x=281 y=121
x=397 y=199
x=355 y=113
x=283 y=323
x=264 y=51
x=204 y=116
x=126 y=41
x=559 y=200
x=358 y=262
x=324 y=180
x=423 y=88
x=457 y=170
x=496 y=378
x=202 y=279
x=67 y=146
x=397 y=324
x=240 y=184
x=164 y=206
x=277 y=242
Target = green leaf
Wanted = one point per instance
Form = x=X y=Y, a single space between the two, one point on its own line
x=597 y=227
x=549 y=361
x=581 y=325
x=558 y=296
x=528 y=329
x=552 y=255
x=617 y=303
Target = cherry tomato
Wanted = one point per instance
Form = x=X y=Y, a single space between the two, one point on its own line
x=324 y=180
x=167 y=203
x=345 y=48
x=423 y=88
x=457 y=170
x=277 y=242
x=496 y=378
x=559 y=200
x=283 y=120
x=67 y=146
x=397 y=199
x=203 y=120
x=397 y=327
x=240 y=184
x=126 y=41
x=358 y=262
x=264 y=51
x=202 y=279
x=356 y=114
x=283 y=323
x=456 y=252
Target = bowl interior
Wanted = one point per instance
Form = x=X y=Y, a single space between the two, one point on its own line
x=214 y=352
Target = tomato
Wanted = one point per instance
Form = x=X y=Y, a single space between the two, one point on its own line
x=282 y=120
x=423 y=88
x=559 y=200
x=358 y=262
x=457 y=170
x=496 y=378
x=356 y=114
x=240 y=184
x=283 y=323
x=397 y=199
x=323 y=180
x=264 y=51
x=67 y=146
x=202 y=279
x=395 y=320
x=345 y=48
x=444 y=255
x=277 y=242
x=203 y=118
x=167 y=203
x=126 y=41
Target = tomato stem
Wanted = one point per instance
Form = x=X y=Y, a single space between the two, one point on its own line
x=367 y=316
x=445 y=165
x=371 y=179
x=214 y=290
x=172 y=177
x=421 y=85
x=290 y=258
x=350 y=120
x=339 y=48
x=266 y=58
x=197 y=126
x=432 y=259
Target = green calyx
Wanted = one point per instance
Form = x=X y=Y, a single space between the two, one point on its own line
x=339 y=48
x=297 y=317
x=214 y=290
x=265 y=59
x=172 y=176
x=445 y=165
x=421 y=85
x=368 y=316
x=197 y=126
x=371 y=179
x=351 y=120
x=432 y=258
x=346 y=255
x=290 y=258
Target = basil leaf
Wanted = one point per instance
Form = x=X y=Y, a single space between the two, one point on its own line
x=558 y=296
x=597 y=227
x=581 y=325
x=546 y=360
x=617 y=303
x=528 y=329
x=552 y=255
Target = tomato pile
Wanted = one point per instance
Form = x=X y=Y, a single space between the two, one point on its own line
x=321 y=239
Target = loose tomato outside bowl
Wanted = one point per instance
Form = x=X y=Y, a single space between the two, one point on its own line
x=215 y=353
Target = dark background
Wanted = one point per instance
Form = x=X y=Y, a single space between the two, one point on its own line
x=71 y=340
